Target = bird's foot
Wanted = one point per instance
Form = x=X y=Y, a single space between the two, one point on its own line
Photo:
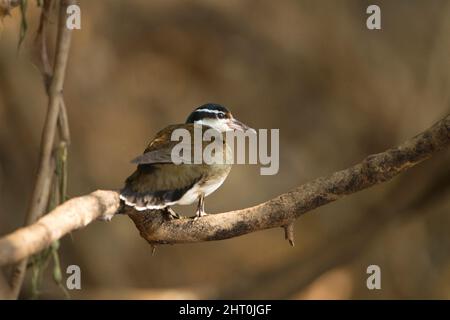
x=173 y=214
x=200 y=214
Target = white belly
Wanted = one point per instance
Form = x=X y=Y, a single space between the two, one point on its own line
x=194 y=193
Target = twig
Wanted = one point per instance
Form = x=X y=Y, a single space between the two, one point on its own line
x=280 y=211
x=46 y=69
x=59 y=184
x=45 y=171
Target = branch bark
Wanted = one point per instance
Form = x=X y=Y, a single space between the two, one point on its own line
x=281 y=211
x=73 y=214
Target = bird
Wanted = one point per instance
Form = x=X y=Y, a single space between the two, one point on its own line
x=158 y=183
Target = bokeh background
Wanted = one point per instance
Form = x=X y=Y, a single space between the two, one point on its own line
x=337 y=91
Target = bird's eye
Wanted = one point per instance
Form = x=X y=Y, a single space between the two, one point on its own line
x=221 y=116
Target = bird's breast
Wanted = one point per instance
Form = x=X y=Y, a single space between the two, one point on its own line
x=205 y=186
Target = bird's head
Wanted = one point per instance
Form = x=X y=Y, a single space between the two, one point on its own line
x=217 y=117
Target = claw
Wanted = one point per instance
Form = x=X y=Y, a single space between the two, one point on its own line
x=172 y=214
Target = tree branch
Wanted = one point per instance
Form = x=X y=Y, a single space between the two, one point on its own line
x=73 y=214
x=281 y=211
x=47 y=70
x=347 y=243
x=42 y=185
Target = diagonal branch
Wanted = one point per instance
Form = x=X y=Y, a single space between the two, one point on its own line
x=278 y=212
x=343 y=246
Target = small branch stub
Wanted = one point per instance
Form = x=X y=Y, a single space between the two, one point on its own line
x=289 y=233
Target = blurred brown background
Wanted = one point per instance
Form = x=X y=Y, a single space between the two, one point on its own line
x=336 y=91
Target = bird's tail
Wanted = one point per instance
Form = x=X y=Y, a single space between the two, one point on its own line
x=144 y=201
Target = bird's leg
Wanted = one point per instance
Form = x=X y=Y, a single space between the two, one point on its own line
x=172 y=213
x=201 y=207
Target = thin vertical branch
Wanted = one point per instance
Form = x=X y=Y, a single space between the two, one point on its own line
x=43 y=182
x=46 y=68
x=59 y=187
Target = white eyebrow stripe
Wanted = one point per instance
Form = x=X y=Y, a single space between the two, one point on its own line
x=210 y=111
